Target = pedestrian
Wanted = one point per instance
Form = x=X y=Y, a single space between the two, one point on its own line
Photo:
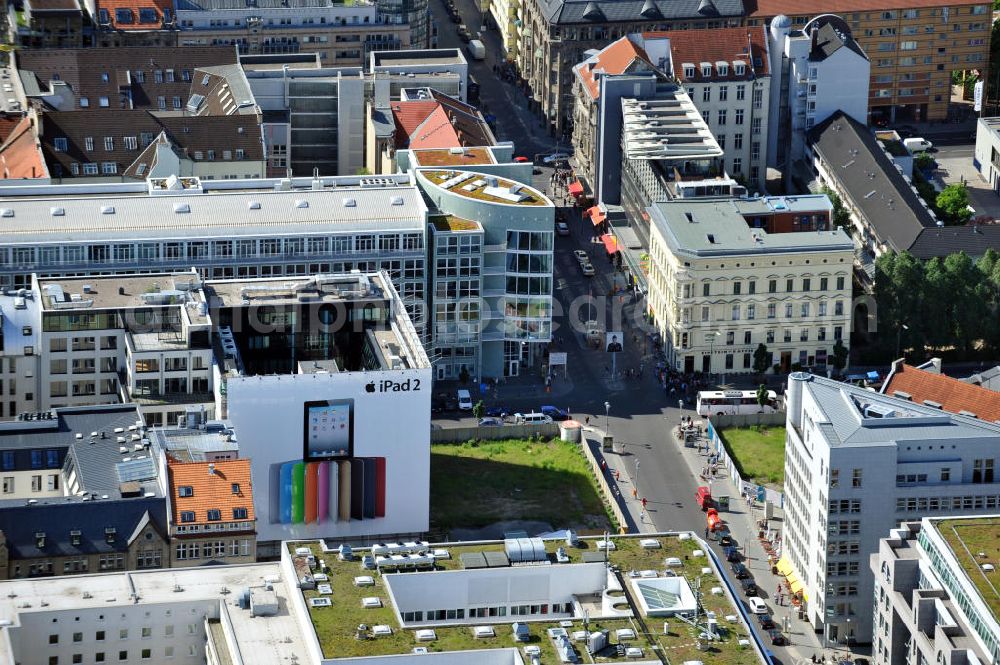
x=706 y=532
x=604 y=464
x=588 y=421
x=644 y=503
x=618 y=475
x=635 y=492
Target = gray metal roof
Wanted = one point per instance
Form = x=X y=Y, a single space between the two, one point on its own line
x=564 y=12
x=844 y=406
x=869 y=177
x=667 y=128
x=222 y=214
x=973 y=239
x=703 y=228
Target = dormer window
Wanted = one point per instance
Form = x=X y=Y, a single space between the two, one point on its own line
x=74 y=537
x=688 y=70
x=739 y=68
x=722 y=67
x=706 y=69
x=109 y=534
x=40 y=539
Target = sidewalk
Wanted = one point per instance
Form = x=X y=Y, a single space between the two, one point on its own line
x=617 y=472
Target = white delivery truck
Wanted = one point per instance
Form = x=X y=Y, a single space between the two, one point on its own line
x=477 y=50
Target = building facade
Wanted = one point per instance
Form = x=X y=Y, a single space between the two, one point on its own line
x=554 y=36
x=718 y=289
x=931 y=597
x=914 y=47
x=857 y=464
x=819 y=70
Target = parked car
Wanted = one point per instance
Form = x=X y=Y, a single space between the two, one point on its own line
x=562 y=228
x=732 y=554
x=703 y=495
x=765 y=621
x=917 y=144
x=498 y=411
x=455 y=16
x=554 y=412
x=555 y=157
x=581 y=256
x=726 y=540
x=490 y=422
x=757 y=606
x=777 y=638
x=521 y=159
x=739 y=570
x=749 y=586
x=587 y=269
x=464 y=400
x=531 y=419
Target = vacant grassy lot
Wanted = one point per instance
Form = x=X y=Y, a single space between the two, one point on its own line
x=759 y=452
x=474 y=484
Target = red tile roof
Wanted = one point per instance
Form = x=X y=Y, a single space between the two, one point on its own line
x=21 y=153
x=953 y=395
x=7 y=124
x=768 y=8
x=211 y=491
x=442 y=122
x=619 y=57
x=722 y=44
x=138 y=21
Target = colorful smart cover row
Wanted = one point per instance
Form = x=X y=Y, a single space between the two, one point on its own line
x=330 y=491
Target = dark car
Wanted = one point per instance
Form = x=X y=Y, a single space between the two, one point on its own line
x=732 y=554
x=777 y=638
x=554 y=412
x=765 y=621
x=740 y=571
x=455 y=16
x=726 y=540
x=749 y=586
x=498 y=412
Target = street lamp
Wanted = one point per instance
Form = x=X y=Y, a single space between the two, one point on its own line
x=899 y=338
x=607 y=418
x=848 y=636
x=711 y=349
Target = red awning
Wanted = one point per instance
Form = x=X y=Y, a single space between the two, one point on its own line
x=610 y=243
x=596 y=215
x=575 y=188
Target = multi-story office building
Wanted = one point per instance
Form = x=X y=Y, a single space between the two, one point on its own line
x=343 y=34
x=913 y=46
x=553 y=36
x=83 y=492
x=817 y=71
x=718 y=289
x=935 y=597
x=857 y=463
x=492 y=289
x=300 y=227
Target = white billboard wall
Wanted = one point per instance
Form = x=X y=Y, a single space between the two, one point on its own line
x=379 y=484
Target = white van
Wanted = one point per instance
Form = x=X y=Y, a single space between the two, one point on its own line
x=531 y=419
x=917 y=144
x=464 y=400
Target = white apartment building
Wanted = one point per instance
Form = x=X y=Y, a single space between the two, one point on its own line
x=718 y=289
x=857 y=463
x=933 y=601
x=821 y=69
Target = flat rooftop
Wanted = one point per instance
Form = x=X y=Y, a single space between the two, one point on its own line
x=335 y=625
x=974 y=542
x=452 y=224
x=196 y=444
x=291 y=290
x=442 y=56
x=453 y=157
x=487 y=188
x=120 y=291
x=717 y=228
x=225 y=208
x=783 y=204
x=262 y=640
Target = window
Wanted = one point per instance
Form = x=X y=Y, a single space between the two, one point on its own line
x=739 y=116
x=736 y=312
x=737 y=288
x=109 y=143
x=982 y=471
x=84 y=102
x=772 y=286
x=706 y=289
x=740 y=92
x=109 y=168
x=177 y=102
x=187 y=516
x=104 y=102
x=239 y=513
x=834 y=477
x=737 y=163
x=706 y=94
x=788 y=310
x=945 y=474
x=214 y=515
x=161 y=103
x=723 y=93
x=60 y=144
x=738 y=141
x=183 y=490
x=771 y=310
x=88 y=143
x=236 y=488
x=123 y=655
x=722 y=117
x=751 y=312
x=730 y=338
x=130 y=143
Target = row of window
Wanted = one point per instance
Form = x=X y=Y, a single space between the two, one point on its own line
x=211 y=550
x=772 y=286
x=40 y=459
x=213 y=514
x=542 y=609
x=924 y=504
x=51 y=483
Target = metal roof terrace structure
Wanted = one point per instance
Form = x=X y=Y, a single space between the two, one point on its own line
x=667 y=129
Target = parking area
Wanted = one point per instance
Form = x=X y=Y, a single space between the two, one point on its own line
x=955 y=165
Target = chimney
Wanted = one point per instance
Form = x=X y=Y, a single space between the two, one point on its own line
x=813 y=36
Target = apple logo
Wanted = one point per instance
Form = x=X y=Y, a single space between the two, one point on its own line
x=370 y=387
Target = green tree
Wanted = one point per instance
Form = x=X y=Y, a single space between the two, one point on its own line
x=839 y=360
x=923 y=160
x=762 y=396
x=841 y=217
x=761 y=359
x=899 y=296
x=478 y=410
x=953 y=203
